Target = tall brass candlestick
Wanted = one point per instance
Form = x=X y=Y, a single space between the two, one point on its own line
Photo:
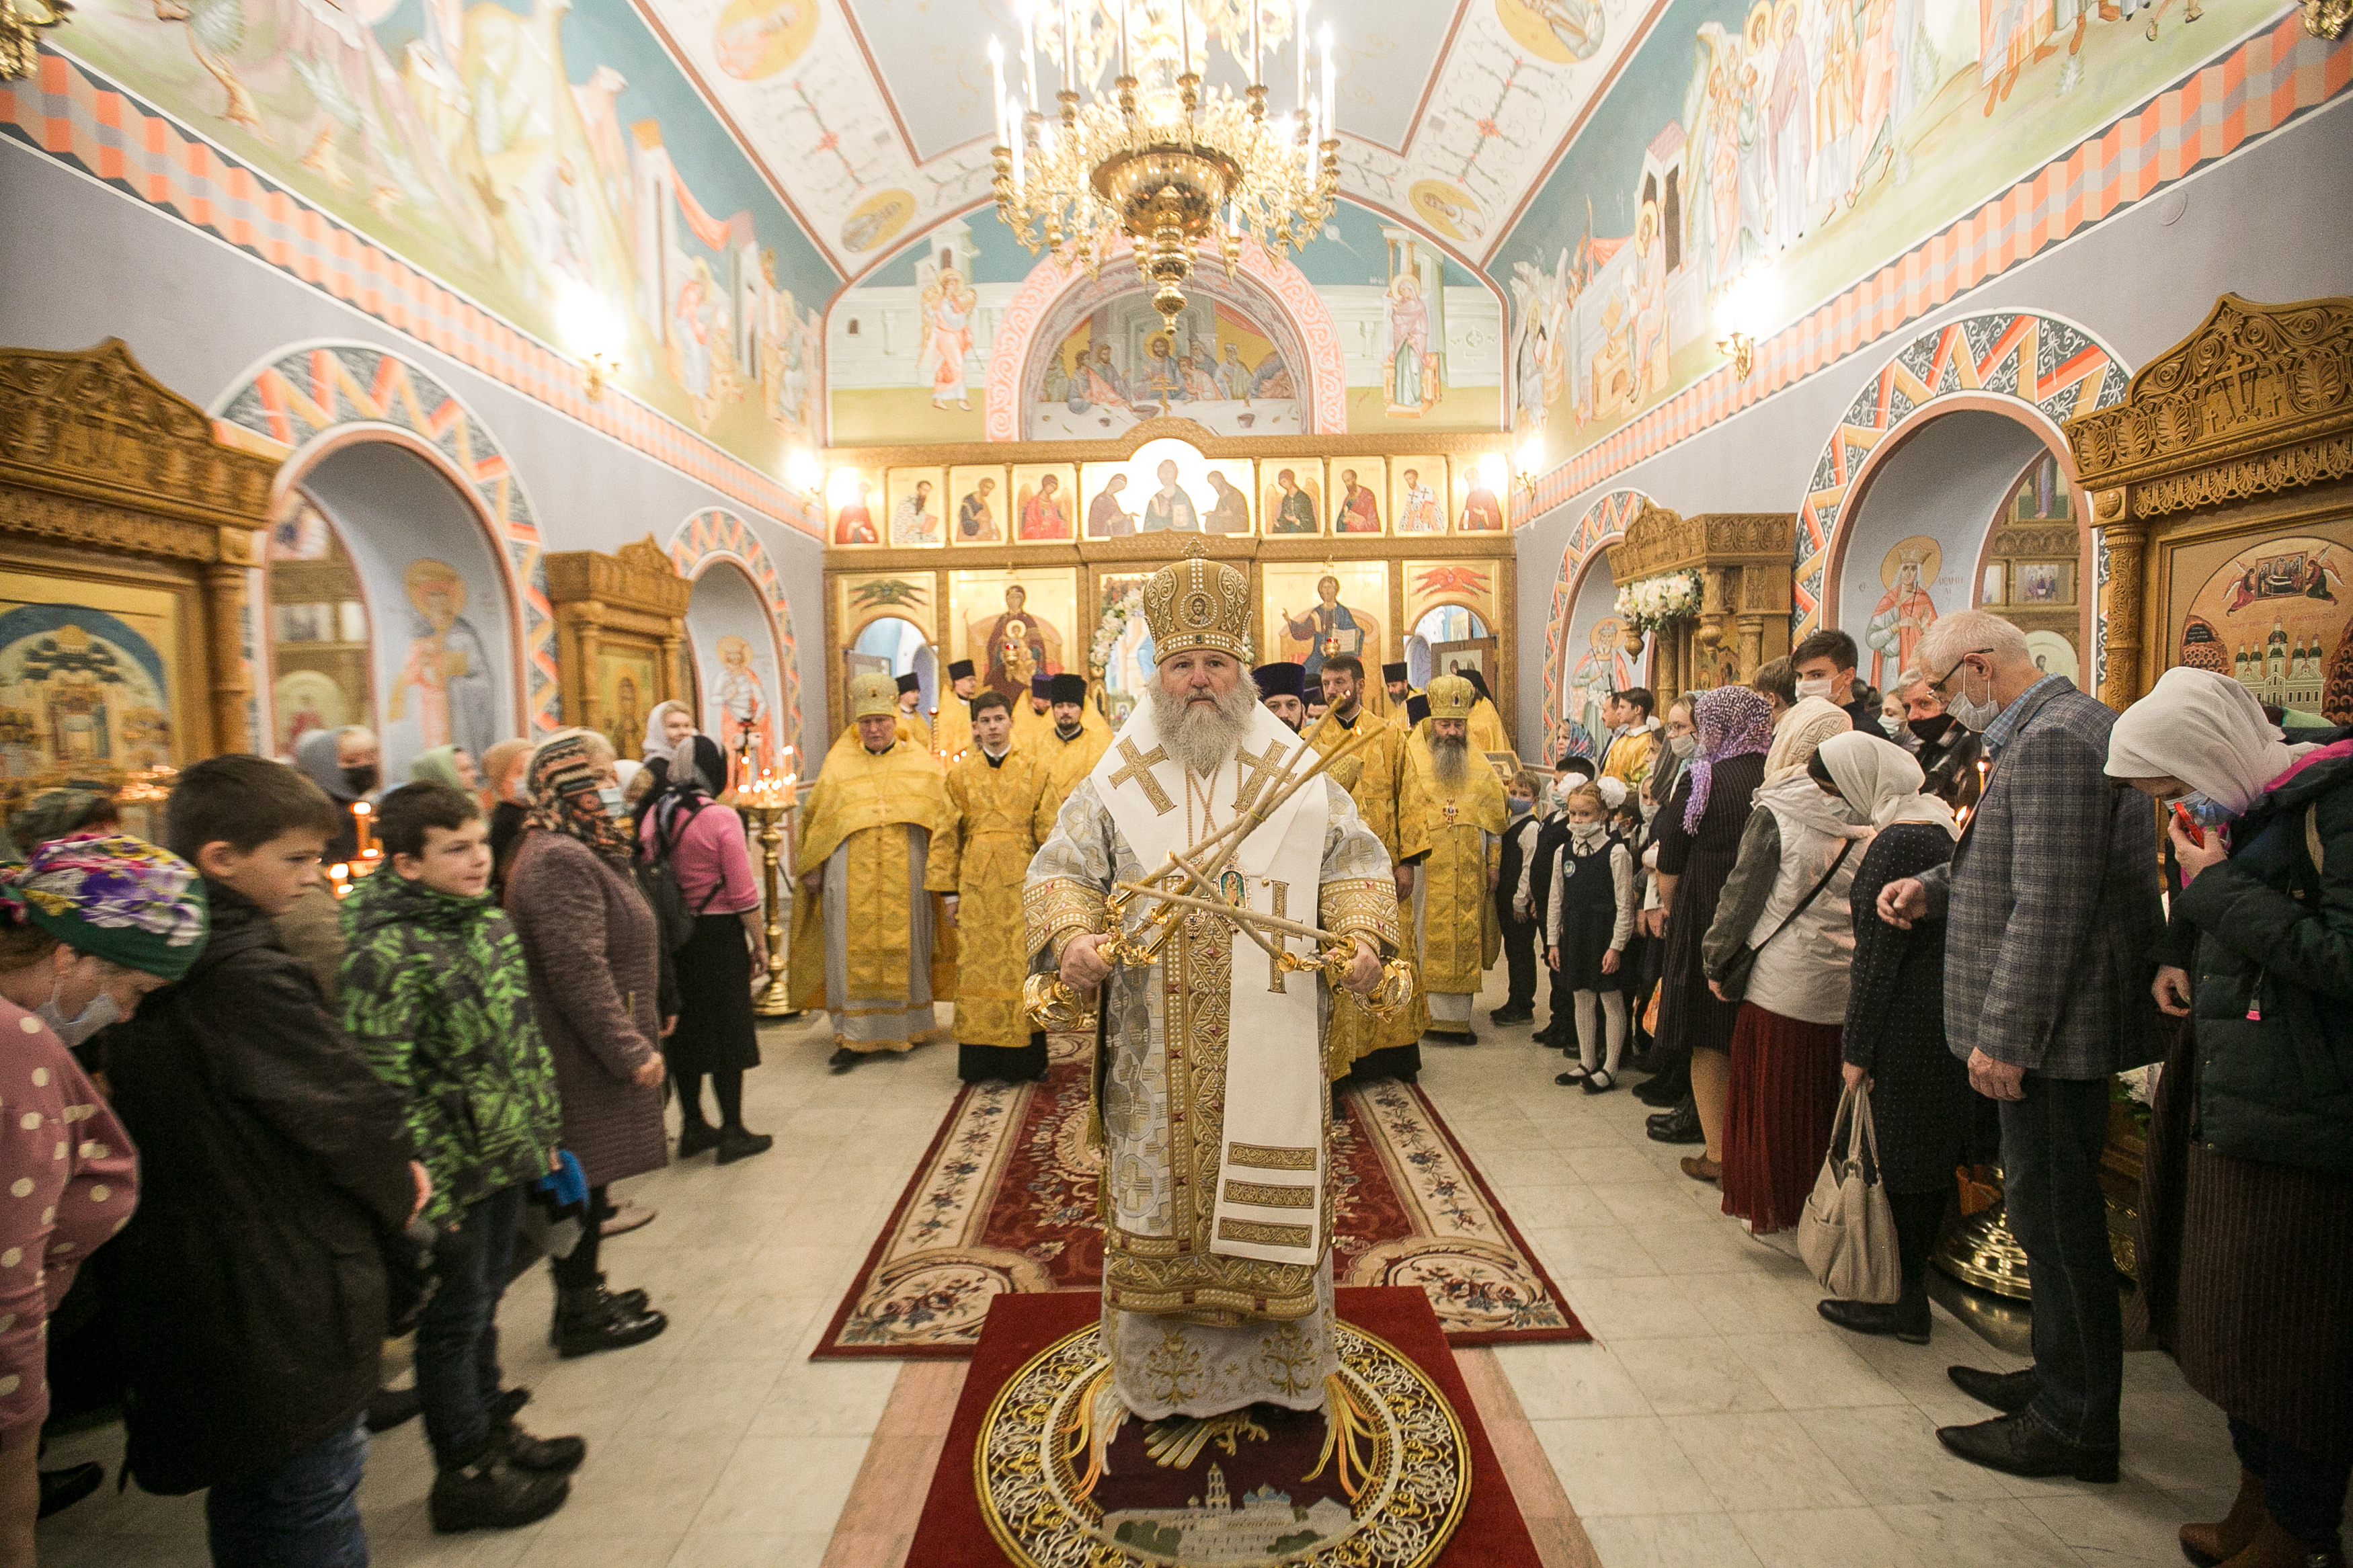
x=768 y=801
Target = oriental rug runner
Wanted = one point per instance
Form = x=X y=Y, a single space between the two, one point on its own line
x=1431 y=1493
x=1004 y=1203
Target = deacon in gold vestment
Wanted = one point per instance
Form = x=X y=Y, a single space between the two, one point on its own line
x=1070 y=746
x=912 y=726
x=1217 y=1195
x=1002 y=814
x=869 y=941
x=1454 y=918
x=1382 y=782
x=952 y=724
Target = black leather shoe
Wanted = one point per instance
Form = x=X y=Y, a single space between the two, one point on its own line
x=842 y=1060
x=735 y=1143
x=2021 y=1445
x=1907 y=1319
x=1680 y=1126
x=2007 y=1392
x=1658 y=1091
x=695 y=1137
x=589 y=1319
x=491 y=1492
x=1511 y=1015
x=60 y=1490
x=541 y=1456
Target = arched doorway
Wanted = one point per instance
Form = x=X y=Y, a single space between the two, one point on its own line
x=1585 y=652
x=897 y=647
x=737 y=678
x=389 y=605
x=1972 y=507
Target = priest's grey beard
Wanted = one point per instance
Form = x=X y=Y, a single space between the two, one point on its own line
x=1450 y=760
x=1203 y=738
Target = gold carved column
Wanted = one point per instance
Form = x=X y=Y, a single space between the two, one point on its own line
x=226 y=612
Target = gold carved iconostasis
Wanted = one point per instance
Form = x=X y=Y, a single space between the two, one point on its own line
x=1020 y=557
x=620 y=634
x=1724 y=582
x=126 y=535
x=2223 y=484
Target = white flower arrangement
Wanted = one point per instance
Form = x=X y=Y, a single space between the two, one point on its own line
x=1110 y=629
x=1651 y=601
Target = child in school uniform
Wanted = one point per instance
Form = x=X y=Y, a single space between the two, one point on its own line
x=1590 y=920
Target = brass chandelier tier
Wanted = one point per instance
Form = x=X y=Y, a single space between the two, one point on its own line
x=1162 y=159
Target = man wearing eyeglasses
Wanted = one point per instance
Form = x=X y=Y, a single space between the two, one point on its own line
x=2052 y=912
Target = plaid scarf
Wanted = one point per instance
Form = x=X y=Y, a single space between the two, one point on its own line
x=563 y=782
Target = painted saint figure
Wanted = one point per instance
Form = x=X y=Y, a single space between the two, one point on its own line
x=1296 y=512
x=1316 y=628
x=445 y=680
x=1409 y=358
x=1358 y=511
x=1898 y=622
x=1042 y=513
x=1169 y=508
x=913 y=521
x=1420 y=514
x=1106 y=518
x=1231 y=514
x=976 y=520
x=948 y=302
x=854 y=524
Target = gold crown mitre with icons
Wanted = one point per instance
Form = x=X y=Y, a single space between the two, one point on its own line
x=872 y=695
x=1198 y=603
x=1450 y=696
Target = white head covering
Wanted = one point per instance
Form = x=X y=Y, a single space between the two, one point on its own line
x=1800 y=733
x=1613 y=791
x=2207 y=730
x=625 y=770
x=656 y=743
x=1881 y=780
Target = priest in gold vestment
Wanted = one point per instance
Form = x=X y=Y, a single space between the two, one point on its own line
x=1454 y=923
x=1076 y=740
x=1381 y=781
x=1003 y=812
x=952 y=723
x=870 y=945
x=1217 y=1193
x=913 y=725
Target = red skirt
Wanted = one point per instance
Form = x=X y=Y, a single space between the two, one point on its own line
x=1777 y=1125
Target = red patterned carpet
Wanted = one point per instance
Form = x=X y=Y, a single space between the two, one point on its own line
x=1004 y=1203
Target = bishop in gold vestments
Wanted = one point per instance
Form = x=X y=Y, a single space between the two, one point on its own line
x=1003 y=812
x=1463 y=813
x=1380 y=779
x=870 y=945
x=1217 y=1193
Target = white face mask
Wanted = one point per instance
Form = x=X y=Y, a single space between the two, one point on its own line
x=1971 y=712
x=612 y=798
x=1682 y=745
x=1585 y=833
x=1819 y=685
x=101 y=1012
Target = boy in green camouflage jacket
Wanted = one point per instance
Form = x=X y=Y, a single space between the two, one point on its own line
x=434 y=991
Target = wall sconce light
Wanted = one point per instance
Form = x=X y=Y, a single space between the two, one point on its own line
x=596 y=370
x=804 y=473
x=1524 y=466
x=1736 y=313
x=21 y=23
x=1741 y=350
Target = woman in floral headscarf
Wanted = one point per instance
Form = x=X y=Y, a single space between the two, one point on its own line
x=590 y=945
x=87 y=927
x=1697 y=845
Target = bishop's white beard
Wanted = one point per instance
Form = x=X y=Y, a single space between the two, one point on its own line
x=1203 y=737
x=1450 y=760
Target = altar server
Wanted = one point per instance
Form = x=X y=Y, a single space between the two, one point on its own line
x=1004 y=808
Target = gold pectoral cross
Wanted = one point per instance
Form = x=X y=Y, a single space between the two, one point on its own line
x=1139 y=768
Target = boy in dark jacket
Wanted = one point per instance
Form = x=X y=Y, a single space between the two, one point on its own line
x=251 y=1280
x=435 y=993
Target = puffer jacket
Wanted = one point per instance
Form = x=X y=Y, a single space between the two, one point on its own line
x=2273 y=994
x=435 y=992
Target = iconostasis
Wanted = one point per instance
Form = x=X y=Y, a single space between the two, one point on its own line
x=2225 y=500
x=1023 y=558
x=122 y=601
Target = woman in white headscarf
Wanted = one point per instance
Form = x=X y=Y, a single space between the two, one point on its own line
x=1893 y=1042
x=2246 y=1256
x=667 y=729
x=1787 y=899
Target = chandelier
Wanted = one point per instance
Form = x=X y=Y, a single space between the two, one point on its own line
x=1162 y=159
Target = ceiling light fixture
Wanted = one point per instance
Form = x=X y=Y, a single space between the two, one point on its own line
x=1162 y=160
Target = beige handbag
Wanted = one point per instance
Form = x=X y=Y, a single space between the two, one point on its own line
x=1847 y=1235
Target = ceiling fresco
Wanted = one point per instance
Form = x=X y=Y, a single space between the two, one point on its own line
x=872 y=116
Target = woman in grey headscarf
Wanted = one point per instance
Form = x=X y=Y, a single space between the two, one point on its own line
x=343 y=763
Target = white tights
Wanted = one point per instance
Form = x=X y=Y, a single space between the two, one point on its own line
x=1613 y=1010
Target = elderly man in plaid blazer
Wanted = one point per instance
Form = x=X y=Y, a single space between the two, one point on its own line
x=2053 y=917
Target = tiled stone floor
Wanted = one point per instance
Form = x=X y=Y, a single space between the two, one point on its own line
x=1716 y=1421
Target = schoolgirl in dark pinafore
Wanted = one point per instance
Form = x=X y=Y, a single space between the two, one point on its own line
x=1589 y=915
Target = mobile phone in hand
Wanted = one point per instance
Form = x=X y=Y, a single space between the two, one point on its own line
x=2188 y=825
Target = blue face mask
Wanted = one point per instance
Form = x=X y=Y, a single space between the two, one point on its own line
x=2204 y=811
x=613 y=801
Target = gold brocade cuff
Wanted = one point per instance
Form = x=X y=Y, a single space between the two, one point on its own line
x=1361 y=906
x=1056 y=909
